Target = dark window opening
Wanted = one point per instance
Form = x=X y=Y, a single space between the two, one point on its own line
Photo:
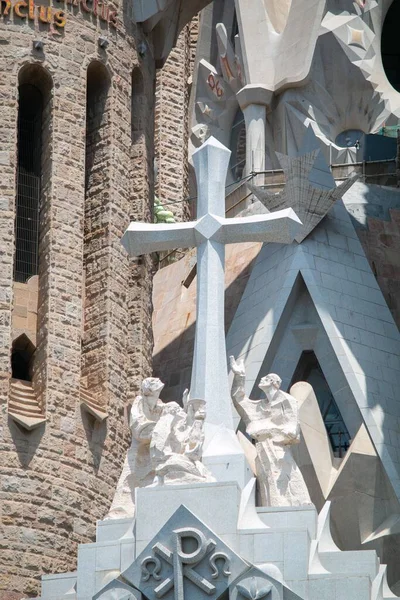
x=138 y=102
x=309 y=370
x=238 y=146
x=390 y=45
x=21 y=358
x=29 y=171
x=235 y=29
x=98 y=83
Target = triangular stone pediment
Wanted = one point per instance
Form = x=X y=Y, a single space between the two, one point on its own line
x=357 y=343
x=185 y=560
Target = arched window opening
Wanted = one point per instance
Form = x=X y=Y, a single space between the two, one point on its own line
x=390 y=46
x=309 y=370
x=21 y=358
x=98 y=83
x=238 y=146
x=137 y=105
x=97 y=196
x=32 y=156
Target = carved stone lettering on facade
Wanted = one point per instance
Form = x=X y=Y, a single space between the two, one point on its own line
x=184 y=562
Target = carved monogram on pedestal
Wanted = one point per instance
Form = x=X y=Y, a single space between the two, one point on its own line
x=185 y=562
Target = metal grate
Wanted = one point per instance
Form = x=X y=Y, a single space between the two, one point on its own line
x=28 y=183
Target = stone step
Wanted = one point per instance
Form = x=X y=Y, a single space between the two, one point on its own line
x=22 y=400
x=29 y=400
x=90 y=405
x=20 y=409
x=21 y=384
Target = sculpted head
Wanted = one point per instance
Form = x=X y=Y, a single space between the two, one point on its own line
x=197 y=409
x=152 y=386
x=270 y=383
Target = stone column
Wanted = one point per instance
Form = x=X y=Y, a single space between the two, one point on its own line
x=254 y=101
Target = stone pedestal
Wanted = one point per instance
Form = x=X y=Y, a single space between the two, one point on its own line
x=289 y=550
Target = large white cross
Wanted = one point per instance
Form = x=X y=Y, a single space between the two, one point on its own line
x=209 y=234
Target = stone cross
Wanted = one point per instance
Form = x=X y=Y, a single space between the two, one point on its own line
x=209 y=233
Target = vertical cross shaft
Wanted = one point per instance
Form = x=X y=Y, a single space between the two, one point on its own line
x=209 y=373
x=210 y=232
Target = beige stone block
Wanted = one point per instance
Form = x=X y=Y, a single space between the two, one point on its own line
x=19 y=322
x=20 y=310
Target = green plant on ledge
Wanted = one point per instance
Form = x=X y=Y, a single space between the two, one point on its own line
x=162 y=215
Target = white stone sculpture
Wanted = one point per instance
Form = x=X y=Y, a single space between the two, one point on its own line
x=185 y=560
x=273 y=423
x=137 y=470
x=209 y=233
x=166 y=448
x=177 y=443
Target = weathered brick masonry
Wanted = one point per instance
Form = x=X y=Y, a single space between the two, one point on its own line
x=172 y=104
x=93 y=315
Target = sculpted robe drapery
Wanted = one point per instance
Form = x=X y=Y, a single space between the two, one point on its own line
x=137 y=470
x=176 y=447
x=275 y=428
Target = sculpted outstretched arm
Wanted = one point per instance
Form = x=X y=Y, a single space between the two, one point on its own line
x=238 y=393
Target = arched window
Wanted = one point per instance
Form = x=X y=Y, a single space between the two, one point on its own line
x=390 y=45
x=97 y=197
x=309 y=370
x=137 y=105
x=32 y=166
x=21 y=358
x=98 y=83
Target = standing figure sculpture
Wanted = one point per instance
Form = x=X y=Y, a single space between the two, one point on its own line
x=137 y=471
x=274 y=425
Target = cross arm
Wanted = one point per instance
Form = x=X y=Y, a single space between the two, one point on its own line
x=281 y=227
x=144 y=238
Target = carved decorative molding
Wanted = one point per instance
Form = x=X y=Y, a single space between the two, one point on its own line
x=184 y=562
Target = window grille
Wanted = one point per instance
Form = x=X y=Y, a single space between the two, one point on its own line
x=28 y=182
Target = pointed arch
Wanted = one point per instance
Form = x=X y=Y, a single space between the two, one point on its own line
x=97 y=196
x=22 y=352
x=137 y=105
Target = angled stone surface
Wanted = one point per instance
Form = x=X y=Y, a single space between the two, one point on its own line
x=166 y=18
x=117 y=590
x=282 y=226
x=359 y=341
x=185 y=560
x=310 y=190
x=143 y=238
x=207 y=228
x=264 y=583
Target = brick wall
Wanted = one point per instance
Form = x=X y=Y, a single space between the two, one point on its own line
x=57 y=479
x=171 y=133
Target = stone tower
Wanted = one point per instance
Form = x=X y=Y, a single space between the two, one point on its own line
x=77 y=151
